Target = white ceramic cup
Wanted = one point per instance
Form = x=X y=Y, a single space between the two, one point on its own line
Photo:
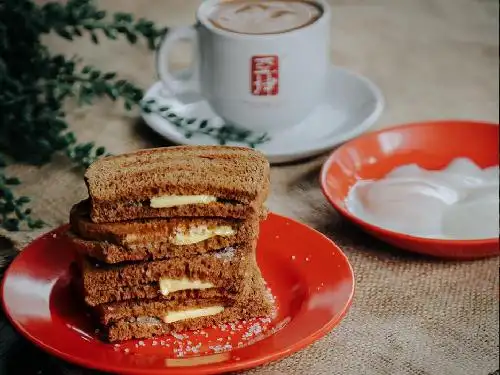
x=263 y=83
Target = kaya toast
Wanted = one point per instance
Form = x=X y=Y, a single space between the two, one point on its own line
x=210 y=181
x=209 y=275
x=156 y=238
x=127 y=322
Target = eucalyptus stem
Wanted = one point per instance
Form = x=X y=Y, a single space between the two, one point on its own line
x=223 y=133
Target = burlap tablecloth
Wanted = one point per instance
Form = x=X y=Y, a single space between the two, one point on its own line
x=411 y=315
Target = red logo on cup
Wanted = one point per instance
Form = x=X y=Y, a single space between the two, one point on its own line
x=265 y=75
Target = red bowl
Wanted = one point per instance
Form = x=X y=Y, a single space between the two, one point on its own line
x=431 y=145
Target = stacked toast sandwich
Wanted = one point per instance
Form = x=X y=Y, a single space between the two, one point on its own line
x=167 y=239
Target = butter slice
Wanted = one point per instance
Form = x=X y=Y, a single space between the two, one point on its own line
x=166 y=201
x=201 y=233
x=175 y=316
x=173 y=285
x=196 y=361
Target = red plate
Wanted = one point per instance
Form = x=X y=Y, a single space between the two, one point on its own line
x=308 y=274
x=431 y=145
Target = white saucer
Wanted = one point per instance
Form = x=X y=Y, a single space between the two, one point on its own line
x=351 y=106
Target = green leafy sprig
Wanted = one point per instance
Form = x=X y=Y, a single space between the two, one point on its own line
x=12 y=208
x=35 y=85
x=189 y=126
x=80 y=17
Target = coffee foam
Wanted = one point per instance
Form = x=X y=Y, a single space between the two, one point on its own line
x=264 y=17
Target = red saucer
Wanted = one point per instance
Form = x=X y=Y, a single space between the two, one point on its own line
x=308 y=274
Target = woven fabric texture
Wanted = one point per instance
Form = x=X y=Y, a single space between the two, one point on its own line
x=411 y=315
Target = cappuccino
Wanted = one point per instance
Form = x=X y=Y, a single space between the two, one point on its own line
x=264 y=16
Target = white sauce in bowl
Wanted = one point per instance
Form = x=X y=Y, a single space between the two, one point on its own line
x=459 y=202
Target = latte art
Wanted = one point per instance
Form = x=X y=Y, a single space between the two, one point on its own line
x=264 y=16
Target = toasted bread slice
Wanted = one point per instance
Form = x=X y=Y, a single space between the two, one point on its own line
x=138 y=321
x=103 y=297
x=223 y=181
x=225 y=296
x=156 y=238
x=224 y=269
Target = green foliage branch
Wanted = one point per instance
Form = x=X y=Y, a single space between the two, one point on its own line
x=34 y=85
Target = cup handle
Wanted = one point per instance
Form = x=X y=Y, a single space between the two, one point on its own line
x=189 y=81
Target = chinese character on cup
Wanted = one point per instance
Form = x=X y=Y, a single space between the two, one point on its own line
x=265 y=75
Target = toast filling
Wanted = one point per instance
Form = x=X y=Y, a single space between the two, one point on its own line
x=173 y=285
x=166 y=201
x=175 y=316
x=149 y=320
x=201 y=233
x=196 y=361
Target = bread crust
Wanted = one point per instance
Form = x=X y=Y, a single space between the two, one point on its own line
x=127 y=246
x=257 y=302
x=226 y=269
x=120 y=187
x=115 y=211
x=144 y=292
x=150 y=239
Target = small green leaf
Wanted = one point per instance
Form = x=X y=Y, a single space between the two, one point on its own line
x=132 y=38
x=100 y=151
x=86 y=147
x=7 y=194
x=12 y=181
x=64 y=33
x=70 y=137
x=110 y=33
x=122 y=17
x=263 y=138
x=100 y=15
x=22 y=200
x=112 y=92
x=11 y=224
x=19 y=214
x=9 y=207
x=37 y=224
x=109 y=75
